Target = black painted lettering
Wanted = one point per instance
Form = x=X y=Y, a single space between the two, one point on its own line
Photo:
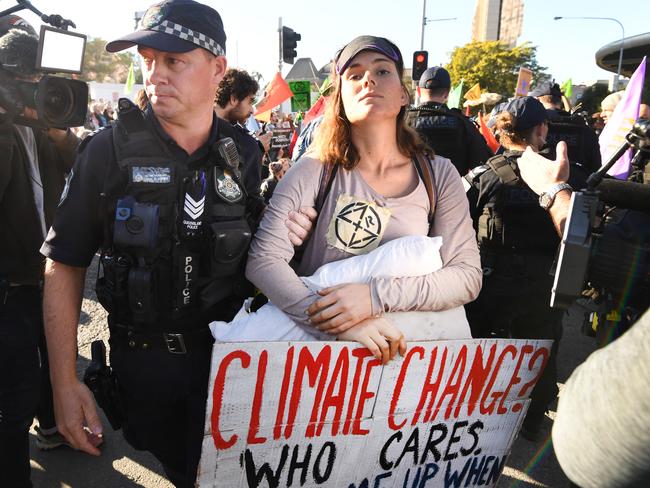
x=331 y=457
x=486 y=468
x=430 y=470
x=383 y=461
x=475 y=470
x=441 y=430
x=411 y=446
x=453 y=439
x=254 y=477
x=476 y=425
x=301 y=465
x=456 y=478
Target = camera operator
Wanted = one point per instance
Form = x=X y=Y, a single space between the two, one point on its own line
x=601 y=433
x=33 y=166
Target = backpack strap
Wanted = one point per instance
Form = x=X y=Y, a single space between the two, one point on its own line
x=503 y=169
x=424 y=169
x=325 y=185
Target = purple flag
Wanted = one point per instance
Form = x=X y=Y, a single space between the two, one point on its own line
x=620 y=123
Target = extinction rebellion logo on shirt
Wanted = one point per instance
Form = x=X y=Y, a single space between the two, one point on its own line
x=357 y=226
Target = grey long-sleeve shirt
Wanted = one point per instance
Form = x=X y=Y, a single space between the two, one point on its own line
x=601 y=433
x=355 y=219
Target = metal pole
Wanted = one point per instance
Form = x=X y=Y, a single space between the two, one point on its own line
x=280 y=45
x=424 y=23
x=620 y=53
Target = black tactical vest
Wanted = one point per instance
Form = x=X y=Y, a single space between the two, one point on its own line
x=512 y=222
x=570 y=129
x=176 y=237
x=443 y=131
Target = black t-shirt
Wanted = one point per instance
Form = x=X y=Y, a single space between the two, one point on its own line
x=77 y=233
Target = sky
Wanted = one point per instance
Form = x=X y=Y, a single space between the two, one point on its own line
x=566 y=47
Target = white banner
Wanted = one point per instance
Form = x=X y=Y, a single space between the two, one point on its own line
x=312 y=414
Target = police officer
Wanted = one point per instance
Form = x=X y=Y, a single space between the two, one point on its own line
x=33 y=166
x=165 y=198
x=446 y=130
x=517 y=241
x=581 y=140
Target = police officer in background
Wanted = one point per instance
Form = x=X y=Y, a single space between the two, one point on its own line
x=447 y=131
x=165 y=198
x=518 y=242
x=581 y=140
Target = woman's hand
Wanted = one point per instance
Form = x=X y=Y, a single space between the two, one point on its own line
x=380 y=336
x=341 y=307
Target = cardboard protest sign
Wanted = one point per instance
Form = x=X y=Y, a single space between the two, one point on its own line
x=523 y=82
x=280 y=138
x=312 y=414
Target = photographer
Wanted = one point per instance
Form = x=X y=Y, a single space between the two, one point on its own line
x=33 y=167
x=601 y=433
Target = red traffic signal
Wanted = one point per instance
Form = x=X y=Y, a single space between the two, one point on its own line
x=420 y=62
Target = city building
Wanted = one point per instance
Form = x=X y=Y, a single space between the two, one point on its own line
x=498 y=20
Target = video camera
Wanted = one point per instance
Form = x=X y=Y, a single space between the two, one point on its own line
x=606 y=242
x=59 y=102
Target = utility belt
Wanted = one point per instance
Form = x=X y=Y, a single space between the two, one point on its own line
x=173 y=342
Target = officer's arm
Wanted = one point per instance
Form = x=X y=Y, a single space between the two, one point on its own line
x=74 y=404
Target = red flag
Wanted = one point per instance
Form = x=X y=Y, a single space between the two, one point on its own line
x=276 y=92
x=316 y=110
x=487 y=134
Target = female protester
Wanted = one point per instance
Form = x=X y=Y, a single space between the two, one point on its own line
x=363 y=176
x=518 y=242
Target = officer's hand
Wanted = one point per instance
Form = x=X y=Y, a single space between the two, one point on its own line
x=300 y=225
x=380 y=336
x=341 y=307
x=540 y=173
x=76 y=417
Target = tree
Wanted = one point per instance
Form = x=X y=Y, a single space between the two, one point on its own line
x=493 y=65
x=105 y=67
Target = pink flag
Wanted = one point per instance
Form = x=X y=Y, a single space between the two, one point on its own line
x=621 y=121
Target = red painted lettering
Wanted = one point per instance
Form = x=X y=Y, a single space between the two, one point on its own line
x=340 y=375
x=430 y=389
x=510 y=349
x=399 y=385
x=476 y=377
x=277 y=429
x=514 y=379
x=254 y=425
x=217 y=397
x=360 y=354
x=454 y=383
x=317 y=373
x=364 y=395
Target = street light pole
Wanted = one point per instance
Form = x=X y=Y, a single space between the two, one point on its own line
x=425 y=21
x=620 y=52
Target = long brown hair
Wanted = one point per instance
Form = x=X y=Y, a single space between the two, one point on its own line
x=334 y=141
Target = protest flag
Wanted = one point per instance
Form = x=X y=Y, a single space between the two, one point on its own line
x=485 y=131
x=454 y=97
x=567 y=88
x=276 y=92
x=473 y=93
x=316 y=110
x=620 y=123
x=130 y=81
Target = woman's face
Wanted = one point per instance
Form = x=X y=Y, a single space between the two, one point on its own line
x=371 y=88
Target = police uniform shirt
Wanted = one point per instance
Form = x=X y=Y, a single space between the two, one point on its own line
x=77 y=231
x=590 y=158
x=473 y=150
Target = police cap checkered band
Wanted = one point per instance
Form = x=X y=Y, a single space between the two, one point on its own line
x=368 y=43
x=187 y=34
x=177 y=26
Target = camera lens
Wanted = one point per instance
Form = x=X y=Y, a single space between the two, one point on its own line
x=58 y=101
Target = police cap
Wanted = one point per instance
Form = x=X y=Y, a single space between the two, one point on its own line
x=177 y=26
x=527 y=112
x=435 y=77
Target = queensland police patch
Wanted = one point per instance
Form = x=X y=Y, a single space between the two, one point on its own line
x=151 y=174
x=227 y=188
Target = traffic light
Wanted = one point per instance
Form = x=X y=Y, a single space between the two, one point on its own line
x=289 y=43
x=420 y=61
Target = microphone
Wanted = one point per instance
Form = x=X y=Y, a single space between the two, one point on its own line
x=625 y=194
x=227 y=150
